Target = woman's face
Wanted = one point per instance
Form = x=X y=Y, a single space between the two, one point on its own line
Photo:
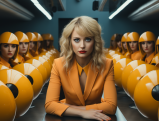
x=31 y=45
x=119 y=44
x=113 y=43
x=133 y=45
x=82 y=46
x=124 y=45
x=47 y=42
x=7 y=50
x=23 y=47
x=39 y=44
x=148 y=47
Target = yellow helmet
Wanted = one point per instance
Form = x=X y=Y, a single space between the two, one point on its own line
x=40 y=67
x=146 y=36
x=155 y=60
x=128 y=70
x=22 y=37
x=45 y=64
x=124 y=37
x=118 y=69
x=47 y=54
x=7 y=104
x=47 y=58
x=133 y=36
x=10 y=38
x=38 y=36
x=47 y=36
x=146 y=95
x=32 y=73
x=22 y=89
x=31 y=36
x=136 y=75
x=117 y=57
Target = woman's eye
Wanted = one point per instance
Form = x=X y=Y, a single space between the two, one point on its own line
x=149 y=42
x=6 y=46
x=143 y=43
x=26 y=43
x=13 y=46
x=76 y=40
x=135 y=42
x=88 y=39
x=20 y=43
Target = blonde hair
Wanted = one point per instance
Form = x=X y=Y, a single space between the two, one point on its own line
x=85 y=26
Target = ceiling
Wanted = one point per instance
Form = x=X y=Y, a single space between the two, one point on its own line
x=134 y=5
x=111 y=6
x=8 y=14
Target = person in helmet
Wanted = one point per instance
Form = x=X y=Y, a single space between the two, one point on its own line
x=23 y=45
x=33 y=46
x=52 y=46
x=125 y=52
x=147 y=46
x=47 y=41
x=118 y=42
x=48 y=44
x=8 y=48
x=113 y=43
x=40 y=42
x=155 y=60
x=132 y=46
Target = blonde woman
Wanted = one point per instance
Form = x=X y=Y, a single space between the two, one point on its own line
x=84 y=74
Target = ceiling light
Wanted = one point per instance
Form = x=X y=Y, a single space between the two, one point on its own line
x=36 y=3
x=120 y=8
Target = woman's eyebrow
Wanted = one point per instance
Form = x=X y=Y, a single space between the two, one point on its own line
x=76 y=37
x=89 y=37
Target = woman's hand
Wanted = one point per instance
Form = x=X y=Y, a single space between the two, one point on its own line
x=95 y=114
x=91 y=114
x=77 y=107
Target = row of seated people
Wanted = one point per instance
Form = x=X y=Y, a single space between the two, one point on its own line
x=19 y=47
x=136 y=71
x=136 y=47
x=25 y=67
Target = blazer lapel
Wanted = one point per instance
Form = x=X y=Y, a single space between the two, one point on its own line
x=92 y=74
x=73 y=77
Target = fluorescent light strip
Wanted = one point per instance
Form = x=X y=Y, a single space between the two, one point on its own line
x=36 y=3
x=120 y=8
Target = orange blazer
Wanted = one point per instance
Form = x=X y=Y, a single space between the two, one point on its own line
x=5 y=63
x=96 y=84
x=136 y=55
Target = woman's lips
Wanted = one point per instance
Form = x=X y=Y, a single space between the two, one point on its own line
x=82 y=51
x=9 y=53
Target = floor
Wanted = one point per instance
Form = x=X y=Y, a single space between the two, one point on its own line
x=124 y=113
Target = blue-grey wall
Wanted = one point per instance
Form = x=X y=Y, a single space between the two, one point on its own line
x=74 y=9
